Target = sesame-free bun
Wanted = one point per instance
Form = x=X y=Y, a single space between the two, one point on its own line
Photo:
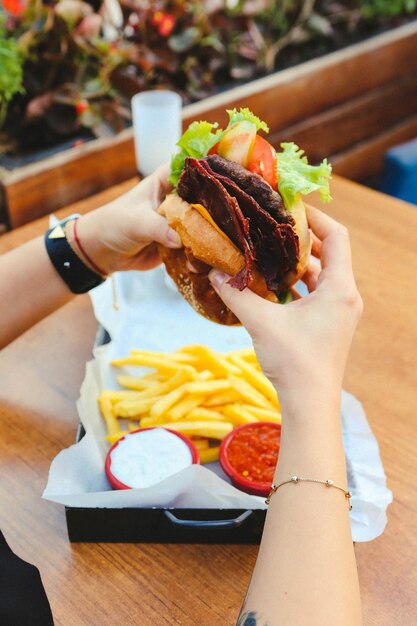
x=205 y=246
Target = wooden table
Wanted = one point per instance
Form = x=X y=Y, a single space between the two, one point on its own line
x=157 y=585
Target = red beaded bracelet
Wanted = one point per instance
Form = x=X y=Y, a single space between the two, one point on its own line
x=86 y=256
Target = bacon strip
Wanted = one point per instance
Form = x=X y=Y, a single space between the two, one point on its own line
x=276 y=244
x=267 y=240
x=197 y=184
x=254 y=185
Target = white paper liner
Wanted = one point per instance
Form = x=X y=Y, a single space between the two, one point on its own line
x=152 y=315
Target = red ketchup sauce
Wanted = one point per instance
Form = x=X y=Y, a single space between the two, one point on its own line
x=253 y=452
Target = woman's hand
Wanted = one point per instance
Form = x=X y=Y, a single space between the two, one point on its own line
x=307 y=340
x=302 y=347
x=123 y=234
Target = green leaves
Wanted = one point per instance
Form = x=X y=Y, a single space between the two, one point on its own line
x=201 y=136
x=371 y=9
x=246 y=115
x=11 y=73
x=297 y=176
x=195 y=142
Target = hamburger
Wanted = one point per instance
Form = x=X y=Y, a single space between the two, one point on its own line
x=236 y=204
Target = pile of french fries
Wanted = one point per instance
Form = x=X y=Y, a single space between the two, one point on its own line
x=195 y=391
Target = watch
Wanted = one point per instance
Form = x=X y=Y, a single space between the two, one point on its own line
x=67 y=263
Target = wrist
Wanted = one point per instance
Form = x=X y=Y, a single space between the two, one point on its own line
x=311 y=437
x=84 y=236
x=79 y=276
x=310 y=404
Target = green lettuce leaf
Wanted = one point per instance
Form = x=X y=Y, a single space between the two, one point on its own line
x=248 y=116
x=296 y=176
x=201 y=136
x=195 y=142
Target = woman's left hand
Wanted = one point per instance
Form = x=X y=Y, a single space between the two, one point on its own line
x=123 y=235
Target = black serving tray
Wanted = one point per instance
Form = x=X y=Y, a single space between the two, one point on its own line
x=163 y=525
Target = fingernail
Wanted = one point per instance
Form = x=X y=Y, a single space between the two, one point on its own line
x=174 y=239
x=217 y=278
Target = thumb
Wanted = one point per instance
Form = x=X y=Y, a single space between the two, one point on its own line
x=246 y=305
x=154 y=227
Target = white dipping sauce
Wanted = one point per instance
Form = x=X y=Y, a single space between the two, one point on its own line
x=145 y=458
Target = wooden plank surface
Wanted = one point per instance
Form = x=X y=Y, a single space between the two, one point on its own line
x=365 y=159
x=34 y=190
x=16 y=237
x=345 y=125
x=162 y=585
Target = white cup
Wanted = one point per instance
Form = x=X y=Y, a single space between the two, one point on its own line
x=157 y=127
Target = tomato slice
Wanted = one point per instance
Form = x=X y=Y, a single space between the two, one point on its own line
x=237 y=142
x=214 y=149
x=263 y=161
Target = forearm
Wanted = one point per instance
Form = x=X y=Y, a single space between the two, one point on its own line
x=306 y=570
x=122 y=235
x=30 y=289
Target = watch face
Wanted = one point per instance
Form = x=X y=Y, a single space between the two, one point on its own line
x=67 y=263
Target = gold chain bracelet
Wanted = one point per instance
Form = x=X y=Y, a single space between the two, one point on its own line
x=297 y=479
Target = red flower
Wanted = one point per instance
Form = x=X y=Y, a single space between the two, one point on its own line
x=81 y=106
x=15 y=7
x=165 y=23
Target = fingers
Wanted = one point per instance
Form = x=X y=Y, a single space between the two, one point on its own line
x=295 y=294
x=335 y=252
x=246 y=305
x=319 y=222
x=316 y=245
x=151 y=226
x=311 y=276
x=148 y=258
x=161 y=178
x=152 y=189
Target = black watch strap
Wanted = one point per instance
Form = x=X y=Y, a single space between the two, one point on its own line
x=69 y=266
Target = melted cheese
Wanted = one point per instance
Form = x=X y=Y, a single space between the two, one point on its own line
x=204 y=213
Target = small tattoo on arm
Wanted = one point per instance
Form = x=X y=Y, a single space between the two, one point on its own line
x=250 y=618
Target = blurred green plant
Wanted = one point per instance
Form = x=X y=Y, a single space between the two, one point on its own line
x=11 y=70
x=57 y=80
x=65 y=68
x=386 y=8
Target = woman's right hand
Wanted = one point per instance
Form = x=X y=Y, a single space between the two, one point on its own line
x=302 y=347
x=308 y=340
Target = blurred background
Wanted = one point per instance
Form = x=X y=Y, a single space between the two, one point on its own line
x=338 y=77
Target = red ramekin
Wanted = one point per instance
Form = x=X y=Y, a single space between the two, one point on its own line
x=252 y=487
x=117 y=484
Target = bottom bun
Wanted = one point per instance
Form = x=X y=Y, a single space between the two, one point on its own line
x=196 y=288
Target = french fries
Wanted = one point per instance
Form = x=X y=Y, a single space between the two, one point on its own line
x=195 y=391
x=249 y=393
x=256 y=379
x=106 y=409
x=208 y=455
x=211 y=430
x=185 y=406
